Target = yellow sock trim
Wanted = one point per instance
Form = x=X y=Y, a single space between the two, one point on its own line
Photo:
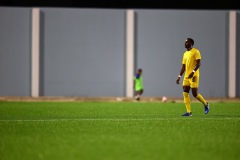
x=201 y=99
x=186 y=99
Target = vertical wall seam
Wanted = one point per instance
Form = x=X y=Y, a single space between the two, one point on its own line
x=35 y=52
x=232 y=54
x=130 y=45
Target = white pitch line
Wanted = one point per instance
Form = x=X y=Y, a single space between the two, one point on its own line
x=114 y=119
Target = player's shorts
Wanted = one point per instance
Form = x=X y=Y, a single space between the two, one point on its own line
x=192 y=82
x=138 y=89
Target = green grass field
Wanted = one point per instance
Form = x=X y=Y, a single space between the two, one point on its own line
x=118 y=131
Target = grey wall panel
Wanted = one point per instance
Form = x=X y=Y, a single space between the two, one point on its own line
x=15 y=51
x=83 y=52
x=160 y=45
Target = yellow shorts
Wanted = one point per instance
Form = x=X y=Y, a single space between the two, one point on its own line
x=192 y=82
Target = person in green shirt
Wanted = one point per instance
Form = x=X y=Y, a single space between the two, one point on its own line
x=138 y=84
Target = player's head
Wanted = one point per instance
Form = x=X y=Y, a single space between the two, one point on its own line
x=139 y=71
x=189 y=43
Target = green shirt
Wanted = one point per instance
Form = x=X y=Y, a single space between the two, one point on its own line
x=138 y=83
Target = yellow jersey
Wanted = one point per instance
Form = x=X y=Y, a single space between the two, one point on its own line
x=189 y=59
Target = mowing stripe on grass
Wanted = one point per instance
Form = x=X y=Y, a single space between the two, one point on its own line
x=113 y=119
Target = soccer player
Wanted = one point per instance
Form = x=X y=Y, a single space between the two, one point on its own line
x=190 y=65
x=138 y=84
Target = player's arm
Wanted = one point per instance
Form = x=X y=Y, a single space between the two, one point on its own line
x=196 y=68
x=181 y=73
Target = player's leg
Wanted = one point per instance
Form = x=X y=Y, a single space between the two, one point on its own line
x=198 y=96
x=186 y=97
x=138 y=94
x=137 y=97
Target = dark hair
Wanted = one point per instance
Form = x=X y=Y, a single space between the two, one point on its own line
x=191 y=40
